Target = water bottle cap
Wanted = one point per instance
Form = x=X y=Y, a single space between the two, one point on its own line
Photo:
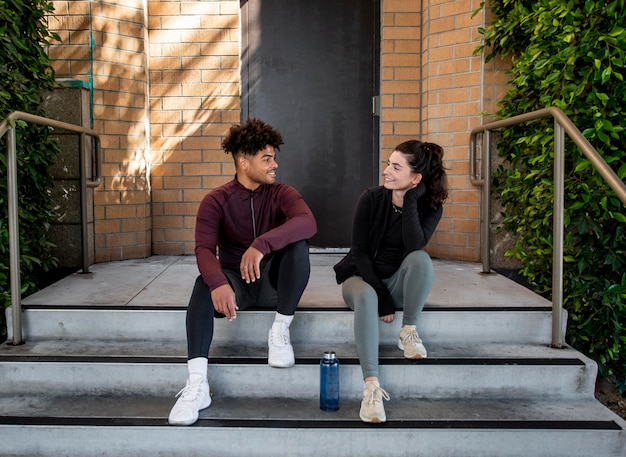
x=329 y=355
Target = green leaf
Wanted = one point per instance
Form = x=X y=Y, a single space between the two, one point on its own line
x=621 y=173
x=618 y=216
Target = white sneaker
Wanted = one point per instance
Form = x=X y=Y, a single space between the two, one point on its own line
x=280 y=349
x=195 y=396
x=411 y=343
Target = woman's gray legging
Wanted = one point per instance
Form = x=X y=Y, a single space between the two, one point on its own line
x=409 y=287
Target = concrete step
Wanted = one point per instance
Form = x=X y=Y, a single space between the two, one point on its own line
x=75 y=425
x=105 y=355
x=478 y=370
x=441 y=324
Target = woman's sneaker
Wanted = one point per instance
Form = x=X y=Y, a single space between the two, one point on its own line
x=411 y=343
x=372 y=409
x=195 y=396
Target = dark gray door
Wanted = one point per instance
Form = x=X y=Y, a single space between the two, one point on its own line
x=310 y=69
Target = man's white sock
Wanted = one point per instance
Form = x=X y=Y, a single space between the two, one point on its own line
x=198 y=367
x=283 y=318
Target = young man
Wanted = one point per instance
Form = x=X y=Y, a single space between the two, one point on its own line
x=251 y=250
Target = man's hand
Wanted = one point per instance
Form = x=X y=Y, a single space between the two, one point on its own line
x=224 y=301
x=387 y=319
x=250 y=266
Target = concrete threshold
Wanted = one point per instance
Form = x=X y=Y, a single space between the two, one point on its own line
x=167 y=281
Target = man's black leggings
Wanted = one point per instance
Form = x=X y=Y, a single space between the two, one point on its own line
x=284 y=276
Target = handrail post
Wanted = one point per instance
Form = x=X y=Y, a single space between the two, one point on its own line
x=83 y=202
x=558 y=224
x=486 y=204
x=14 y=238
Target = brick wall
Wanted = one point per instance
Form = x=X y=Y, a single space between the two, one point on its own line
x=194 y=99
x=435 y=89
x=104 y=42
x=164 y=107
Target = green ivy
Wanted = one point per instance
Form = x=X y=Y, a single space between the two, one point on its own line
x=25 y=73
x=570 y=54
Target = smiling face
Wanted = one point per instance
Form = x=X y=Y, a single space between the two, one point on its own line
x=253 y=171
x=398 y=174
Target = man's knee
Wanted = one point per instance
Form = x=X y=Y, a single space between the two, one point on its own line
x=298 y=250
x=296 y=257
x=200 y=290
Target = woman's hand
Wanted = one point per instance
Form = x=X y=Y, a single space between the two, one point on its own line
x=387 y=319
x=416 y=192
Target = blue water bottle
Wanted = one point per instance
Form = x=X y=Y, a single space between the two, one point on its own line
x=329 y=382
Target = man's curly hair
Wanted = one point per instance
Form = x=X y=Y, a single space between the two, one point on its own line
x=250 y=137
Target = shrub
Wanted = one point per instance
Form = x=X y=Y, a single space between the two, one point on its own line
x=25 y=74
x=570 y=54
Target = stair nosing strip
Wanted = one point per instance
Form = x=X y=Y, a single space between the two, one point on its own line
x=427 y=308
x=504 y=424
x=525 y=361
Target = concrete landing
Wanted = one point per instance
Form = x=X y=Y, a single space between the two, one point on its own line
x=167 y=281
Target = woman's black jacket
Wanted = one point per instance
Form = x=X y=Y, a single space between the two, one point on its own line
x=368 y=227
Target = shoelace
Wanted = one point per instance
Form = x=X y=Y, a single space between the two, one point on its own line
x=190 y=392
x=411 y=339
x=370 y=396
x=279 y=335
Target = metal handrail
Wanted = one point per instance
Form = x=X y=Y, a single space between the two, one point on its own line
x=562 y=125
x=14 y=239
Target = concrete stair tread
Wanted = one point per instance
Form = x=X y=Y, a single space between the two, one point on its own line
x=291 y=413
x=167 y=281
x=167 y=352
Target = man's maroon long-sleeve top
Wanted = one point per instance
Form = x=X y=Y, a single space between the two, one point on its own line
x=232 y=218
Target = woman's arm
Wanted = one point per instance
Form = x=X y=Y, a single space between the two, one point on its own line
x=416 y=231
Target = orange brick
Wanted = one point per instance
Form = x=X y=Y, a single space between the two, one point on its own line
x=196 y=169
x=179 y=235
x=193 y=195
x=458 y=196
x=211 y=182
x=402 y=6
x=403 y=60
x=466 y=226
x=164 y=8
x=172 y=182
x=167 y=195
x=170 y=249
x=180 y=209
x=120 y=212
x=407 y=19
x=408 y=128
x=135 y=225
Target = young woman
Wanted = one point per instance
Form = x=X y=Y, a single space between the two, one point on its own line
x=386 y=268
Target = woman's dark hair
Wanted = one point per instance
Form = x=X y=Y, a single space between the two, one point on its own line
x=427 y=159
x=250 y=137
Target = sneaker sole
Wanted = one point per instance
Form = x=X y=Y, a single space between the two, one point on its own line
x=373 y=420
x=416 y=356
x=190 y=421
x=280 y=365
